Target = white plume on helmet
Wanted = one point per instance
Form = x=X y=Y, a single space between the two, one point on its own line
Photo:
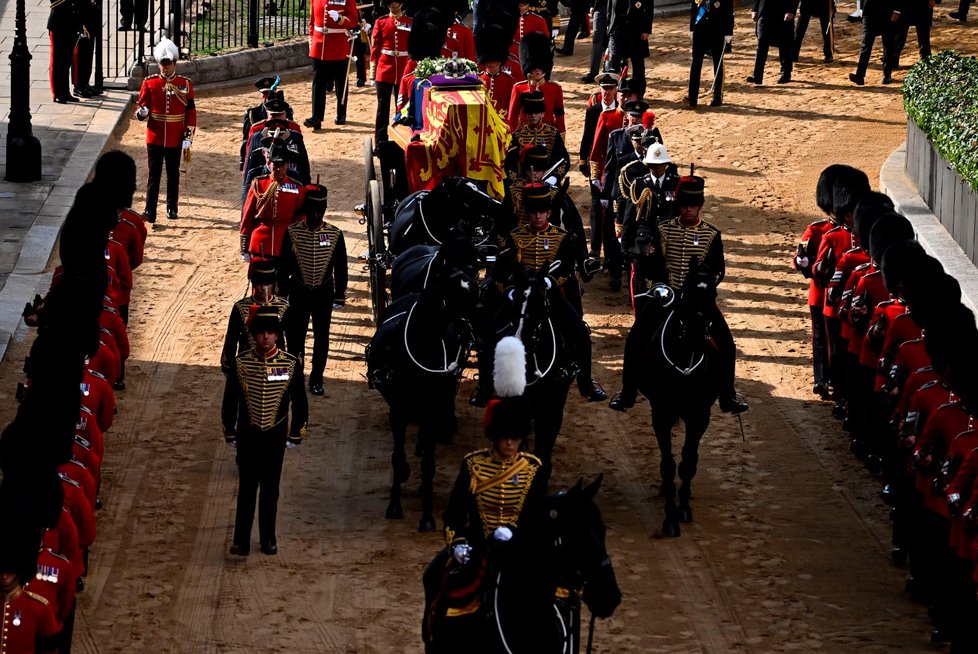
x=166 y=49
x=509 y=372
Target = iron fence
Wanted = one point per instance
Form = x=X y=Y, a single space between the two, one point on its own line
x=130 y=28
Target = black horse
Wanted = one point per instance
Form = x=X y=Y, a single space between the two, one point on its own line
x=551 y=364
x=528 y=600
x=416 y=358
x=669 y=357
x=428 y=217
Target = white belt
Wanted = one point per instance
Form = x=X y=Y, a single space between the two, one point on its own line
x=330 y=30
x=394 y=53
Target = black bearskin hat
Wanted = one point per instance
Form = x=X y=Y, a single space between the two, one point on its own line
x=536 y=52
x=823 y=190
x=115 y=174
x=900 y=261
x=492 y=42
x=428 y=31
x=890 y=228
x=849 y=186
x=868 y=210
x=21 y=536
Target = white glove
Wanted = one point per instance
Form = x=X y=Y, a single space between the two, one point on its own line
x=604 y=203
x=186 y=144
x=289 y=445
x=462 y=553
x=366 y=28
x=596 y=183
x=503 y=534
x=549 y=283
x=338 y=306
x=246 y=257
x=728 y=38
x=233 y=444
x=691 y=35
x=335 y=15
x=552 y=180
x=142 y=112
x=802 y=262
x=554 y=32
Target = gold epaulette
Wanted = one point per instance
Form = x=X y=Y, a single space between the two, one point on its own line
x=595 y=170
x=40 y=598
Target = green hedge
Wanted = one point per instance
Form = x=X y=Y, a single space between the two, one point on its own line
x=940 y=95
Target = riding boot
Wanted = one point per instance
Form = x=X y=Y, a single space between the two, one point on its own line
x=590 y=390
x=484 y=391
x=726 y=364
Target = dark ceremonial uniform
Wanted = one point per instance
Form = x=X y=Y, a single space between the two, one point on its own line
x=628 y=20
x=255 y=116
x=238 y=339
x=172 y=119
x=90 y=28
x=553 y=102
x=709 y=21
x=678 y=244
x=63 y=31
x=257 y=395
x=651 y=201
x=609 y=122
x=545 y=135
x=269 y=208
x=27 y=619
x=773 y=29
x=389 y=56
x=824 y=10
x=597 y=214
x=313 y=273
x=877 y=21
x=256 y=164
x=329 y=49
x=918 y=14
x=489 y=493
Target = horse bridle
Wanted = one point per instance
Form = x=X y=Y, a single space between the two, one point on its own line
x=685 y=372
x=537 y=374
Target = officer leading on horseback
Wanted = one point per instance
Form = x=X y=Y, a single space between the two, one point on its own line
x=667 y=257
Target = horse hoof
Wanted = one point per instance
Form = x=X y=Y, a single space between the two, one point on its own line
x=670 y=528
x=394 y=512
x=427 y=524
x=685 y=514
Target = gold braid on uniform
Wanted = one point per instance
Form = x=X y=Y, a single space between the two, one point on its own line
x=313 y=256
x=680 y=244
x=500 y=489
x=263 y=395
x=536 y=250
x=172 y=89
x=266 y=198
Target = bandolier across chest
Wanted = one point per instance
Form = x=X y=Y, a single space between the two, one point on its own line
x=500 y=489
x=264 y=383
x=313 y=251
x=680 y=244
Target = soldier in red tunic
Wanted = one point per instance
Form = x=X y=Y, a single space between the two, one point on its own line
x=270 y=207
x=537 y=61
x=389 y=56
x=167 y=101
x=492 y=51
x=330 y=22
x=528 y=23
x=459 y=41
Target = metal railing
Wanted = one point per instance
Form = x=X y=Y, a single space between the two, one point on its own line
x=196 y=26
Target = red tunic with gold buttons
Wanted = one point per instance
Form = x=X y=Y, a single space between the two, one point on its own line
x=553 y=105
x=55 y=582
x=131 y=232
x=80 y=509
x=110 y=321
x=459 y=41
x=97 y=395
x=499 y=89
x=27 y=617
x=117 y=266
x=64 y=538
x=388 y=50
x=329 y=40
x=268 y=213
x=171 y=109
x=528 y=22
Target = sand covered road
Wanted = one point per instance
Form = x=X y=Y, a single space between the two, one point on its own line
x=789 y=548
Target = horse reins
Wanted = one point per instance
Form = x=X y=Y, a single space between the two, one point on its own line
x=686 y=372
x=449 y=367
x=553 y=339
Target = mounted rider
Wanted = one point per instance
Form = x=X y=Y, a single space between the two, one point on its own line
x=542 y=246
x=674 y=245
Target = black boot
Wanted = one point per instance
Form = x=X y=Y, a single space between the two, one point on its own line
x=730 y=404
x=623 y=400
